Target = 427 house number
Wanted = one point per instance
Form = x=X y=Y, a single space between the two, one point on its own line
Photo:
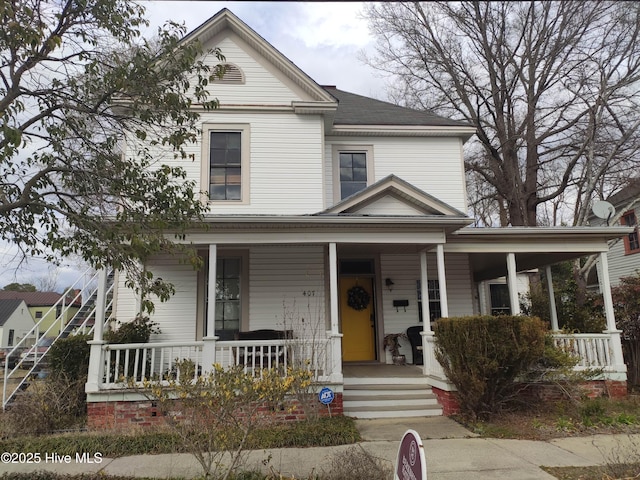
x=309 y=293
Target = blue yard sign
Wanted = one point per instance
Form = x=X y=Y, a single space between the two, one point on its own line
x=326 y=396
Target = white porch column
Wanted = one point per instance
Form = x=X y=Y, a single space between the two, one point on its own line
x=94 y=375
x=209 y=347
x=428 y=344
x=512 y=284
x=336 y=336
x=333 y=287
x=424 y=294
x=616 y=345
x=442 y=281
x=482 y=298
x=552 y=300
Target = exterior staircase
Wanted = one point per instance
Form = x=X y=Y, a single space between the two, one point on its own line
x=385 y=395
x=19 y=371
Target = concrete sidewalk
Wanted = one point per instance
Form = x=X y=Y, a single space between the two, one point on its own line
x=452 y=453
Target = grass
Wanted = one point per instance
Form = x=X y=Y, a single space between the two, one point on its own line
x=323 y=432
x=568 y=419
x=562 y=419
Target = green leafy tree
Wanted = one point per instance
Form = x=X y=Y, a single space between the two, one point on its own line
x=19 y=287
x=77 y=81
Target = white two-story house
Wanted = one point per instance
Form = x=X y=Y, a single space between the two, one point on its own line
x=333 y=217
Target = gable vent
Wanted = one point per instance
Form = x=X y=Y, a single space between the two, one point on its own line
x=232 y=75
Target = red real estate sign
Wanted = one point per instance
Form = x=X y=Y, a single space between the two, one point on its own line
x=411 y=463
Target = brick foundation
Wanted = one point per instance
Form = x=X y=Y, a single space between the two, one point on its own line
x=590 y=389
x=543 y=392
x=448 y=401
x=125 y=415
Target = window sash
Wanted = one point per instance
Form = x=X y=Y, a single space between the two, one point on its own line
x=225 y=165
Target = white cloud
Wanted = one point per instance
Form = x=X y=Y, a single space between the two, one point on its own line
x=323 y=39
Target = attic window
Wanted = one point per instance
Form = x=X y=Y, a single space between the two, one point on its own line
x=232 y=75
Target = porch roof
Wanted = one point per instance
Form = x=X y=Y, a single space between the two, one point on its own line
x=533 y=247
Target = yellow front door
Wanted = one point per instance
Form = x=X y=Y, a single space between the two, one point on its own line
x=358 y=325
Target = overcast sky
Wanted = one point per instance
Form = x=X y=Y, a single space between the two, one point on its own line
x=323 y=39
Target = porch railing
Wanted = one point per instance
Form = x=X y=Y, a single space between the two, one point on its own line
x=130 y=364
x=593 y=349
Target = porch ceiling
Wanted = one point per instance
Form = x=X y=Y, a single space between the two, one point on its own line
x=533 y=247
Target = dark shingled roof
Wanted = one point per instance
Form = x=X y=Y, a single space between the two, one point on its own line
x=627 y=193
x=7 y=307
x=359 y=110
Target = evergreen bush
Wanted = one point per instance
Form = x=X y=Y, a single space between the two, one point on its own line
x=483 y=356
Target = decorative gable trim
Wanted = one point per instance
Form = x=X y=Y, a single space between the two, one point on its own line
x=398 y=189
x=232 y=75
x=226 y=20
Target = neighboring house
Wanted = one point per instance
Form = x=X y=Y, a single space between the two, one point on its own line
x=49 y=306
x=15 y=322
x=328 y=211
x=624 y=253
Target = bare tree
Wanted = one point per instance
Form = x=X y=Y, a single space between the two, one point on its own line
x=551 y=86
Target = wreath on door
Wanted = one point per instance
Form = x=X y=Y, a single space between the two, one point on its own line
x=358 y=298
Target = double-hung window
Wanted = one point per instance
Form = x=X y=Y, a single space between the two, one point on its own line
x=226 y=165
x=632 y=240
x=353 y=169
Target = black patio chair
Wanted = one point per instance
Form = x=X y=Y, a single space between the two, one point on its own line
x=415 y=339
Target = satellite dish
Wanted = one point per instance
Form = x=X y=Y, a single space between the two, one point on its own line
x=604 y=210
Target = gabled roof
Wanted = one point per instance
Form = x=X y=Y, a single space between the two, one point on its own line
x=356 y=109
x=33 y=299
x=7 y=307
x=397 y=188
x=226 y=20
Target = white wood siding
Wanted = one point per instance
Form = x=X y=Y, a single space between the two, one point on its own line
x=176 y=317
x=389 y=206
x=126 y=300
x=431 y=164
x=264 y=85
x=620 y=264
x=285 y=163
x=289 y=282
x=404 y=271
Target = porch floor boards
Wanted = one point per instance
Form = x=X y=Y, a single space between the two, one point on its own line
x=380 y=370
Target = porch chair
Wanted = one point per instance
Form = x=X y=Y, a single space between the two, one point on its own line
x=276 y=355
x=415 y=339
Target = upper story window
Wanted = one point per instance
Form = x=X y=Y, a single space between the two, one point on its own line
x=631 y=241
x=353 y=169
x=226 y=165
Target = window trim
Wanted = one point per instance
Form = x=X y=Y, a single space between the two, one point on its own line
x=627 y=244
x=243 y=254
x=336 y=150
x=245 y=160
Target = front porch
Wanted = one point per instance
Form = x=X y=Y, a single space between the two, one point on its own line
x=410 y=282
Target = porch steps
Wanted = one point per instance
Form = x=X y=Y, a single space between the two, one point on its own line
x=384 y=397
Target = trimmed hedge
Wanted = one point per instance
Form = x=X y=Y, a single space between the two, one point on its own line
x=484 y=355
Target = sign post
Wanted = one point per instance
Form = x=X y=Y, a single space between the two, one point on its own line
x=325 y=397
x=411 y=463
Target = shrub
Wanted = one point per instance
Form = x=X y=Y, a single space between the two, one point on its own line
x=626 y=303
x=57 y=402
x=69 y=357
x=138 y=330
x=356 y=463
x=483 y=356
x=219 y=412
